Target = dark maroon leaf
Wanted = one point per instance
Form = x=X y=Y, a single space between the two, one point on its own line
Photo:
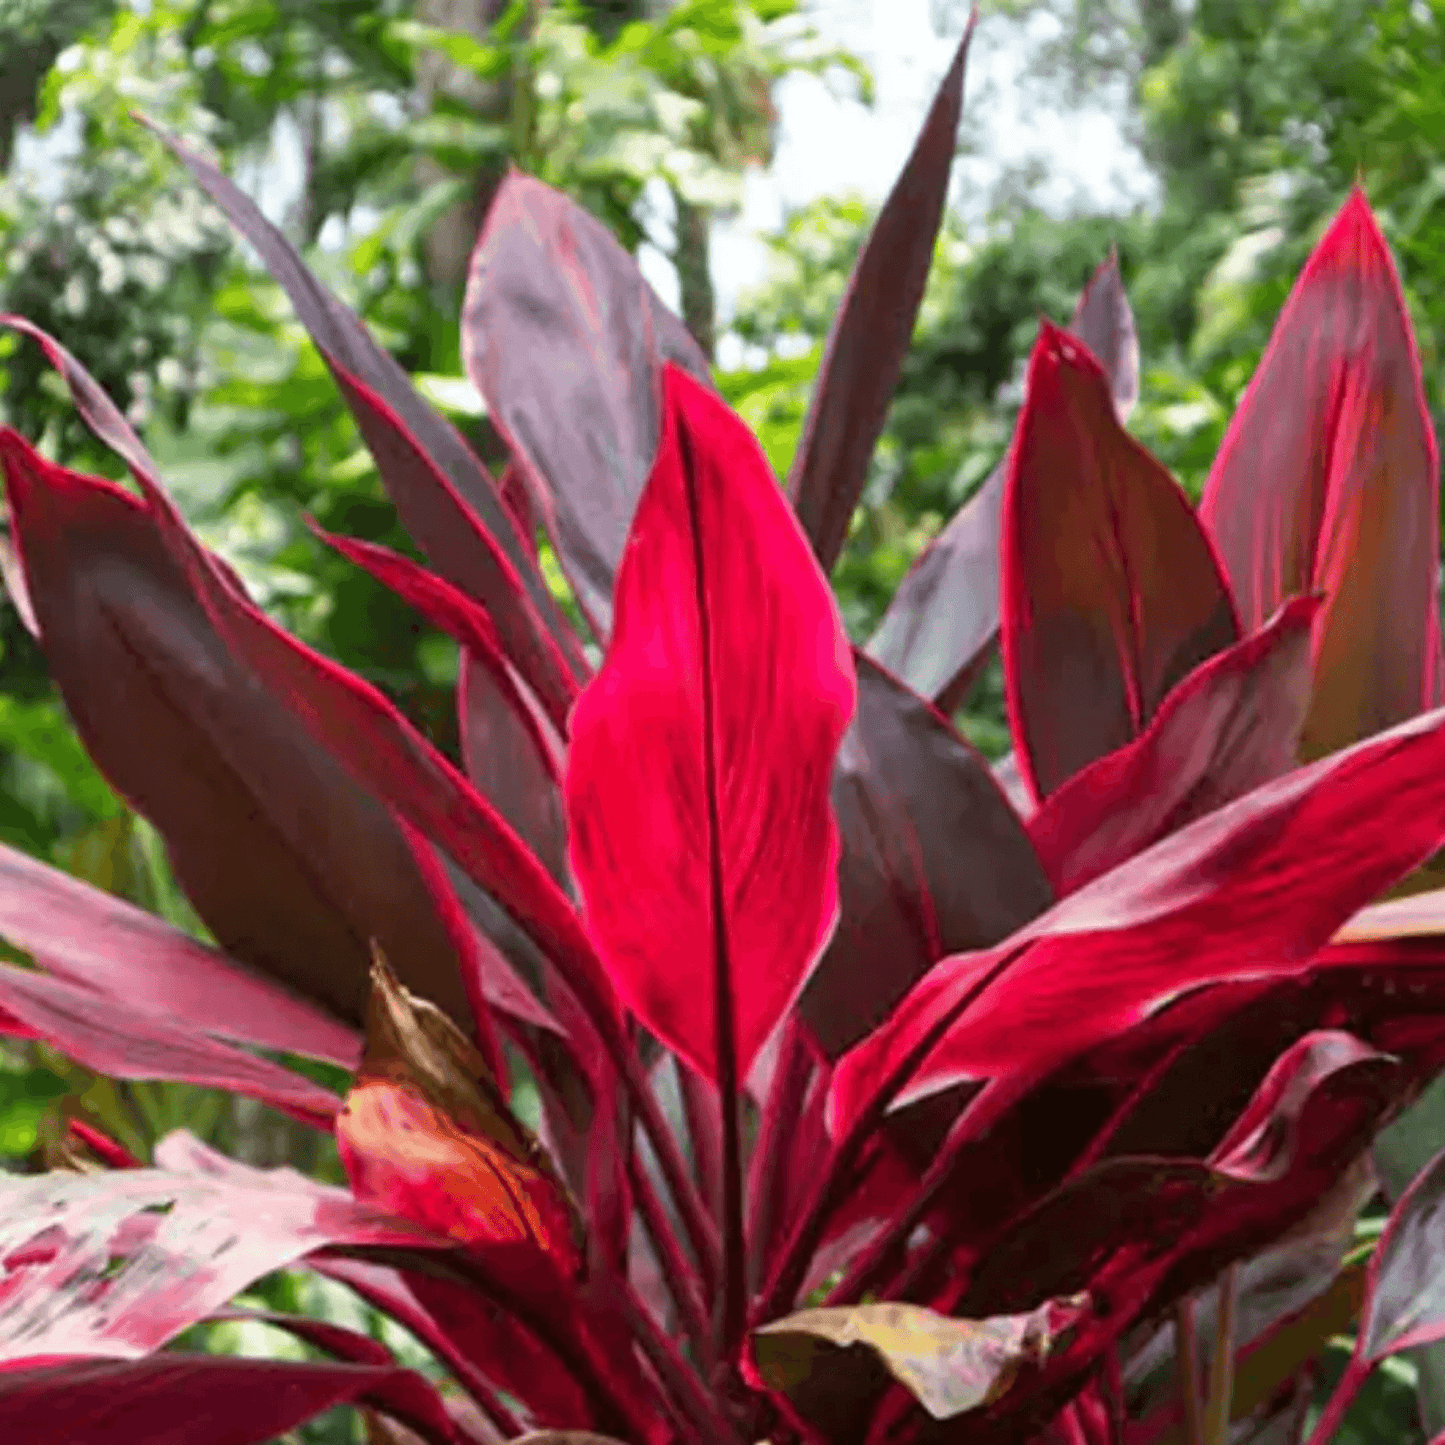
x=518 y=767
x=441 y=516
x=110 y=945
x=1328 y=481
x=293 y=866
x=934 y=860
x=940 y=627
x=1231 y=725
x=1406 y=1300
x=564 y=339
x=111 y=1035
x=345 y=1344
x=1111 y=593
x=863 y=355
x=178 y=1399
x=466 y=554
x=118 y=1263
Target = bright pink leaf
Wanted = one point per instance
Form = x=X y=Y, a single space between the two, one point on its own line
x=1231 y=725
x=110 y=945
x=1328 y=481
x=697 y=786
x=114 y=1036
x=118 y=1263
x=1111 y=593
x=1251 y=890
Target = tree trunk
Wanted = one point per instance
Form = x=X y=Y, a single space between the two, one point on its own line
x=692 y=258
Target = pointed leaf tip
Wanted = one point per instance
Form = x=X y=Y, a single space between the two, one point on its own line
x=1328 y=481
x=702 y=752
x=1111 y=592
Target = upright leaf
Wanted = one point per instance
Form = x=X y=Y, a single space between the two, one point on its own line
x=1111 y=593
x=934 y=860
x=293 y=866
x=564 y=339
x=1328 y=481
x=869 y=337
x=1231 y=725
x=701 y=835
x=941 y=624
x=427 y=1135
x=451 y=504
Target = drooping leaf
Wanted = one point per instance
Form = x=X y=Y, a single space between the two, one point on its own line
x=165 y=1399
x=934 y=860
x=293 y=866
x=345 y=1344
x=565 y=339
x=1251 y=890
x=426 y=1135
x=1111 y=593
x=1230 y=726
x=941 y=625
x=111 y=1035
x=440 y=516
x=701 y=836
x=116 y=1264
x=949 y=1366
x=868 y=340
x=1328 y=481
x=109 y=945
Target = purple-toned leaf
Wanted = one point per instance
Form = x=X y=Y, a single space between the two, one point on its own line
x=118 y=1263
x=441 y=503
x=111 y=1035
x=941 y=625
x=1111 y=593
x=1328 y=481
x=701 y=835
x=457 y=542
x=934 y=860
x=1251 y=890
x=292 y=865
x=345 y=1344
x=171 y=1399
x=564 y=339
x=100 y=940
x=1405 y=1305
x=869 y=337
x=1230 y=726
x=517 y=766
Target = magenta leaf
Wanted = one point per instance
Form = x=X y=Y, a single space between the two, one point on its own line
x=441 y=503
x=934 y=860
x=565 y=339
x=1111 y=593
x=118 y=1263
x=1231 y=725
x=169 y=1399
x=940 y=627
x=1328 y=481
x=112 y=1035
x=99 y=940
x=1250 y=890
x=293 y=867
x=702 y=839
x=869 y=337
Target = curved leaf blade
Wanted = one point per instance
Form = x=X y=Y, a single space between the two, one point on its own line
x=1111 y=593
x=1328 y=481
x=701 y=836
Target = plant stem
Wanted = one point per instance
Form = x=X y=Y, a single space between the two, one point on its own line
x=1356 y=1373
x=676 y=1272
x=1221 y=1367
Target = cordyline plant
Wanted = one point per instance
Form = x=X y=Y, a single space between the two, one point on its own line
x=874 y=1106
